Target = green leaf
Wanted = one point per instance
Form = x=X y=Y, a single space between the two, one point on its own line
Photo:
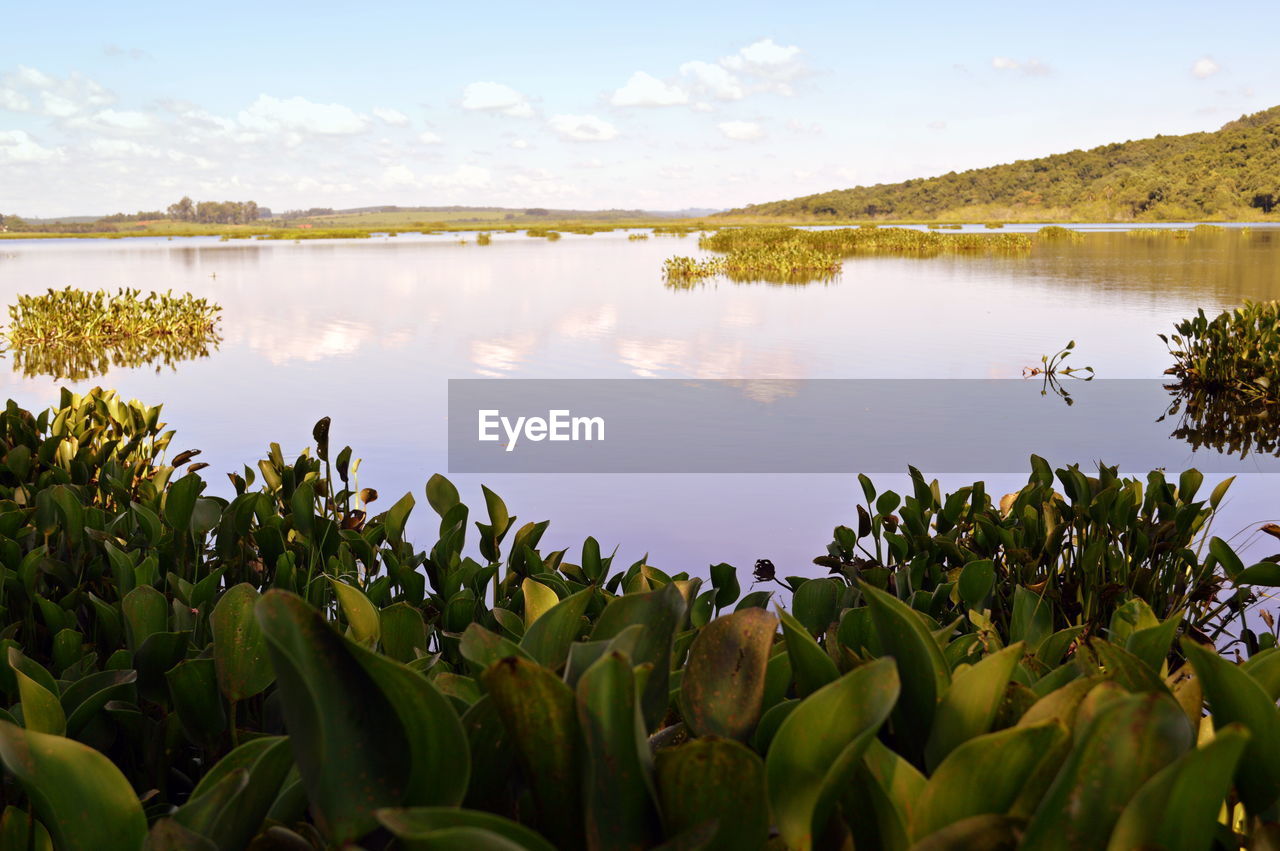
x=396 y=517
x=483 y=648
x=724 y=578
x=983 y=776
x=1263 y=573
x=819 y=745
x=362 y=616
x=193 y=687
x=82 y=799
x=1226 y=557
x=402 y=631
x=41 y=710
x=661 y=612
x=722 y=689
x=617 y=799
x=1236 y=698
x=976 y=579
x=441 y=494
x=815 y=604
x=549 y=638
x=420 y=827
x=539 y=714
x=1032 y=619
x=1151 y=644
x=1177 y=810
x=180 y=501
x=1130 y=739
x=146 y=612
x=812 y=667
x=969 y=706
x=239 y=647
x=346 y=710
x=922 y=670
x=716 y=780
x=538 y=600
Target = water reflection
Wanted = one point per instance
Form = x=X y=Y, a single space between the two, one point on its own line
x=82 y=361
x=1223 y=423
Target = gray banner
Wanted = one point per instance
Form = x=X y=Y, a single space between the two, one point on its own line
x=839 y=426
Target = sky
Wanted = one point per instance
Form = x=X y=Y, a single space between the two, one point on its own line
x=659 y=105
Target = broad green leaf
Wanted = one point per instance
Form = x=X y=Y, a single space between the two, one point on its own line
x=618 y=795
x=983 y=776
x=1151 y=644
x=193 y=688
x=539 y=714
x=815 y=604
x=180 y=501
x=976 y=832
x=419 y=827
x=483 y=648
x=976 y=579
x=819 y=745
x=810 y=664
x=718 y=780
x=1130 y=739
x=82 y=799
x=441 y=494
x=662 y=612
x=1262 y=573
x=146 y=612
x=1177 y=810
x=41 y=710
x=548 y=639
x=1032 y=619
x=969 y=706
x=402 y=631
x=538 y=600
x=722 y=689
x=239 y=648
x=922 y=670
x=362 y=615
x=1236 y=698
x=1226 y=557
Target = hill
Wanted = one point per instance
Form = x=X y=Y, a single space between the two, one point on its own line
x=1230 y=173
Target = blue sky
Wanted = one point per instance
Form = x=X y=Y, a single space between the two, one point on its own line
x=107 y=107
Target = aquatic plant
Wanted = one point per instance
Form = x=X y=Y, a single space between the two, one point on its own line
x=637 y=236
x=74 y=334
x=1237 y=352
x=484 y=238
x=1056 y=232
x=284 y=668
x=1053 y=370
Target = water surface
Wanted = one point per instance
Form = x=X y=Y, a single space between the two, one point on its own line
x=368 y=331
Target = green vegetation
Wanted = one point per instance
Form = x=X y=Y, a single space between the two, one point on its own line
x=637 y=236
x=1232 y=173
x=790 y=255
x=1237 y=352
x=484 y=238
x=73 y=334
x=286 y=668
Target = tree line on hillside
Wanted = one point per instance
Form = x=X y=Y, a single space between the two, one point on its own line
x=1233 y=172
x=215 y=212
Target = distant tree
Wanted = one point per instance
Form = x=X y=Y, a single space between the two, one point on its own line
x=183 y=211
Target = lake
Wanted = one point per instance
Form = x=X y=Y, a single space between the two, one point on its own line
x=368 y=331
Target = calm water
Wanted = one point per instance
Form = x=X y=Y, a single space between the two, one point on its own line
x=368 y=331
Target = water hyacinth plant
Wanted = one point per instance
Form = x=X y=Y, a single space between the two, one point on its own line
x=1237 y=352
x=284 y=668
x=75 y=334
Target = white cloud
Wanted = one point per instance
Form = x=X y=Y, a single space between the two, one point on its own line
x=17 y=146
x=398 y=175
x=462 y=177
x=14 y=101
x=58 y=97
x=1029 y=67
x=1204 y=67
x=496 y=97
x=520 y=144
x=741 y=131
x=583 y=128
x=774 y=65
x=426 y=137
x=298 y=115
x=128 y=120
x=646 y=90
x=713 y=80
x=394 y=117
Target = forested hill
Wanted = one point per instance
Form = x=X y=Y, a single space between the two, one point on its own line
x=1231 y=173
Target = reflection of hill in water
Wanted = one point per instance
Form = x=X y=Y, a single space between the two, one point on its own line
x=81 y=361
x=1225 y=424
x=1228 y=266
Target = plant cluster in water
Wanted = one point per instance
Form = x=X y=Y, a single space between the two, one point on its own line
x=286 y=669
x=75 y=334
x=791 y=255
x=1237 y=352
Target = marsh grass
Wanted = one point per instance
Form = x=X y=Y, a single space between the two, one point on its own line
x=637 y=236
x=484 y=238
x=1057 y=232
